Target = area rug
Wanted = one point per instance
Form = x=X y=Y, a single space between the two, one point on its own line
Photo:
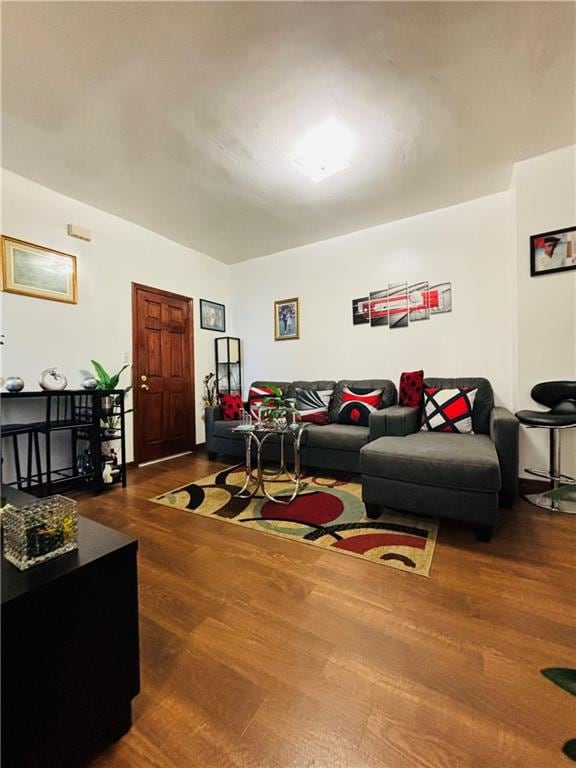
x=327 y=513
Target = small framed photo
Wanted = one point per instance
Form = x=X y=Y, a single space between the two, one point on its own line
x=32 y=270
x=286 y=319
x=553 y=251
x=212 y=316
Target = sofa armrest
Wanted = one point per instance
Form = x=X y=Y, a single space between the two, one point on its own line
x=212 y=413
x=397 y=420
x=504 y=433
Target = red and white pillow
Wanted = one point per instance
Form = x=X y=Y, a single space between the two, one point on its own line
x=231 y=406
x=256 y=397
x=312 y=404
x=356 y=405
x=448 y=410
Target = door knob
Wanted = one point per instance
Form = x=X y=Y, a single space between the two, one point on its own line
x=143 y=377
x=145 y=387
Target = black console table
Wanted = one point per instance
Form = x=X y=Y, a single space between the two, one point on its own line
x=70 y=660
x=91 y=418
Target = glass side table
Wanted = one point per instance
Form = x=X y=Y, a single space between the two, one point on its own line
x=258 y=435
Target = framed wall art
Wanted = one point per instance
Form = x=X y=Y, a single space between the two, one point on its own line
x=553 y=251
x=286 y=319
x=32 y=270
x=212 y=316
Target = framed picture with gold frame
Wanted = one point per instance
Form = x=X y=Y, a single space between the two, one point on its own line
x=32 y=270
x=286 y=319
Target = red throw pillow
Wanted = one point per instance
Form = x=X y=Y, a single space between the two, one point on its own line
x=231 y=406
x=255 y=398
x=358 y=404
x=448 y=410
x=411 y=389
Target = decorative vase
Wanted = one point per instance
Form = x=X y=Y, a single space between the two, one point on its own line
x=89 y=382
x=14 y=384
x=107 y=476
x=107 y=405
x=52 y=381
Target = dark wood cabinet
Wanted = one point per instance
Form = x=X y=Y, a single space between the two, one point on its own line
x=70 y=657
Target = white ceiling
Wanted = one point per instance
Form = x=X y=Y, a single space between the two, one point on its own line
x=182 y=116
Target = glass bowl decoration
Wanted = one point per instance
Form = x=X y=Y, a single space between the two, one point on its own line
x=39 y=531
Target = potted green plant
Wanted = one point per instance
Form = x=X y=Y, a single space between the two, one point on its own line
x=276 y=409
x=107 y=381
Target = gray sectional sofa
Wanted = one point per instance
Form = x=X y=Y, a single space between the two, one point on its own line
x=461 y=476
x=333 y=446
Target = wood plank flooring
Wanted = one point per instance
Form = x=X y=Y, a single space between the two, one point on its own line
x=259 y=652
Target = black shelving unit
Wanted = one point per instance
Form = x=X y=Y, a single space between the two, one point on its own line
x=92 y=418
x=228 y=365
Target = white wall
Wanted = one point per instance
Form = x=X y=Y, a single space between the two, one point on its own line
x=40 y=333
x=545 y=195
x=505 y=325
x=471 y=245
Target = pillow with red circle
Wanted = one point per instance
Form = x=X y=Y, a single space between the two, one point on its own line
x=357 y=405
x=231 y=406
x=411 y=389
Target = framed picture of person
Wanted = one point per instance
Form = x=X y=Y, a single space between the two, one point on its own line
x=32 y=270
x=212 y=316
x=286 y=319
x=553 y=251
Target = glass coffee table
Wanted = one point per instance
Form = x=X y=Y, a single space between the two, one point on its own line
x=258 y=435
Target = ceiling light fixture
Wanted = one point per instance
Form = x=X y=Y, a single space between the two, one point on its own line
x=325 y=150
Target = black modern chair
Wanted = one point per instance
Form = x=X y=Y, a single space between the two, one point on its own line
x=560 y=398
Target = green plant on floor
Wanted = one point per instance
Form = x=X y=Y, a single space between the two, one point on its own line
x=564 y=678
x=109 y=381
x=276 y=407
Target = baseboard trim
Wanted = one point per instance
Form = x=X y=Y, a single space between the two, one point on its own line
x=526 y=486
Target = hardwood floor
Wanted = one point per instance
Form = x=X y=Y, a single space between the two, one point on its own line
x=265 y=653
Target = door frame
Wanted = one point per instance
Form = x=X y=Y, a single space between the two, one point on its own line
x=138 y=411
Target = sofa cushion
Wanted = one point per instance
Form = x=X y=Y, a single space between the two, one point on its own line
x=312 y=404
x=313 y=385
x=231 y=405
x=467 y=462
x=411 y=389
x=448 y=410
x=387 y=387
x=358 y=404
x=483 y=403
x=336 y=437
x=256 y=396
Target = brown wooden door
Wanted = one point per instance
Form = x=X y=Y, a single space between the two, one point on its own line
x=163 y=371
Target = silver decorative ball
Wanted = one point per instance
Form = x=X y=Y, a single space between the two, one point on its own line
x=14 y=384
x=89 y=382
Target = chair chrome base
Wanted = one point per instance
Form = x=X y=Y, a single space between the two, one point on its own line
x=544 y=501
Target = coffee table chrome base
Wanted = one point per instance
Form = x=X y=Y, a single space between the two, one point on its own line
x=258 y=476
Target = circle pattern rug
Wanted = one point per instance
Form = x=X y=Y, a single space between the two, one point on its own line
x=327 y=513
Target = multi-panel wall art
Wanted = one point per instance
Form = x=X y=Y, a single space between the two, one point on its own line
x=400 y=304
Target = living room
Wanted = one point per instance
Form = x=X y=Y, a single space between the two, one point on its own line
x=323 y=197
